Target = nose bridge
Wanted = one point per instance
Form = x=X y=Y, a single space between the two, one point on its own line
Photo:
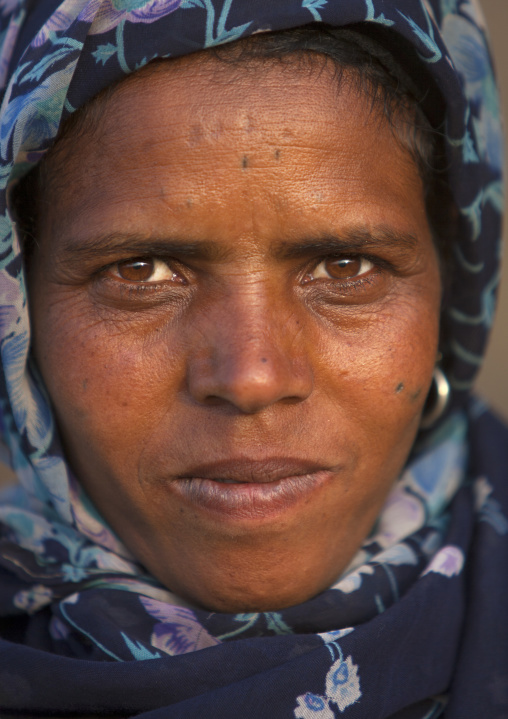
x=251 y=352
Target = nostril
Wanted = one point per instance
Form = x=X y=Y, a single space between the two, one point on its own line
x=249 y=367
x=248 y=382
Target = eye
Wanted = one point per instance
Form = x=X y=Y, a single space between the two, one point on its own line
x=342 y=268
x=145 y=269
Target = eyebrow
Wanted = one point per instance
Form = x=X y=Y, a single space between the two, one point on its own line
x=137 y=245
x=354 y=240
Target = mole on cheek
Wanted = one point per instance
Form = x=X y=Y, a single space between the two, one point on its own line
x=413 y=395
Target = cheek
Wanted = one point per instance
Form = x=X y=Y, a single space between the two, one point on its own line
x=379 y=370
x=110 y=386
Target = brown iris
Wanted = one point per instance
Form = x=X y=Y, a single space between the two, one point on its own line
x=344 y=267
x=139 y=269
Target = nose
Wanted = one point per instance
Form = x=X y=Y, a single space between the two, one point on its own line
x=251 y=359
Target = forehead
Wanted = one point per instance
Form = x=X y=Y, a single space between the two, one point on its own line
x=205 y=80
x=204 y=98
x=203 y=132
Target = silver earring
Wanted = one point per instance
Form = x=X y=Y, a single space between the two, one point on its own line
x=437 y=401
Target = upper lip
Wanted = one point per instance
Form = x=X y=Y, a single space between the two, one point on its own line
x=250 y=470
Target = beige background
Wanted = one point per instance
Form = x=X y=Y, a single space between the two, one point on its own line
x=493 y=381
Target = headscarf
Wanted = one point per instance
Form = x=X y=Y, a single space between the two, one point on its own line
x=416 y=626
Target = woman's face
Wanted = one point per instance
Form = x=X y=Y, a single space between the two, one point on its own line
x=235 y=307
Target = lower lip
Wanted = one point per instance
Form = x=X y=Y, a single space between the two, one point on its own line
x=250 y=500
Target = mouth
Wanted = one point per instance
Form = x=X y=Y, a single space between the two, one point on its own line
x=251 y=489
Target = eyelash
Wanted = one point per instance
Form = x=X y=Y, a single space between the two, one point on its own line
x=134 y=289
x=156 y=262
x=362 y=259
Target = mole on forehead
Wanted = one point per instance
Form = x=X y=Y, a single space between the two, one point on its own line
x=109 y=127
x=239 y=82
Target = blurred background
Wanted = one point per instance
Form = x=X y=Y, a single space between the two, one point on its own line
x=492 y=382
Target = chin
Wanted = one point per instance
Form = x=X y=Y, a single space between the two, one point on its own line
x=255 y=592
x=247 y=600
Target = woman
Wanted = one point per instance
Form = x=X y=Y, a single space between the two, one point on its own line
x=253 y=274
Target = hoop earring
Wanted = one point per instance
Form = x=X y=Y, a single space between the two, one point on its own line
x=437 y=399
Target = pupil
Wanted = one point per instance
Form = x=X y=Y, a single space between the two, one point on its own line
x=139 y=270
x=343 y=268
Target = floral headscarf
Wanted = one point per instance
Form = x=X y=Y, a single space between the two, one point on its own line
x=413 y=628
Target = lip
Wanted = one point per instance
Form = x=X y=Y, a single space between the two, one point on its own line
x=250 y=489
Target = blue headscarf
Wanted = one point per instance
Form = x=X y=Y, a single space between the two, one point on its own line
x=416 y=626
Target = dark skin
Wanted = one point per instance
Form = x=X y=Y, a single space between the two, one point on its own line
x=235 y=305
